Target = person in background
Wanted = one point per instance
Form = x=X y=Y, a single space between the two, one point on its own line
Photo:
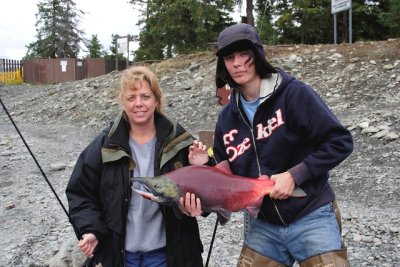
x=115 y=226
x=278 y=126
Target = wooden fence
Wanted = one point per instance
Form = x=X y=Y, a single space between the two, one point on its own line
x=50 y=71
x=11 y=71
x=57 y=70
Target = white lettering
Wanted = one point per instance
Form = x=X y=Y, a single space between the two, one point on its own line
x=228 y=138
x=235 y=152
x=272 y=124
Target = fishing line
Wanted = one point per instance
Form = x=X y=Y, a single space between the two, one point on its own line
x=37 y=164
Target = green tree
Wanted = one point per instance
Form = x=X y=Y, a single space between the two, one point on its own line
x=95 y=48
x=57 y=33
x=303 y=21
x=390 y=18
x=311 y=22
x=264 y=21
x=305 y=14
x=170 y=27
x=285 y=25
x=365 y=20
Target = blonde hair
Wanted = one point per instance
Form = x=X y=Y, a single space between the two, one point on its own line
x=136 y=74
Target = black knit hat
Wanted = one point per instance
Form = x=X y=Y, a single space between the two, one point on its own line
x=235 y=38
x=236 y=33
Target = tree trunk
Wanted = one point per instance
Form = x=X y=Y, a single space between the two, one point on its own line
x=249 y=12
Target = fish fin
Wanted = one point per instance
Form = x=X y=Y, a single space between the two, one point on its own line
x=253 y=211
x=298 y=192
x=254 y=208
x=223 y=216
x=224 y=166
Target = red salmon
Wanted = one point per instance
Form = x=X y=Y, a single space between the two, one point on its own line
x=219 y=190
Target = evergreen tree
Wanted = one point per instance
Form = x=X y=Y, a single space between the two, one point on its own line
x=365 y=20
x=390 y=18
x=57 y=33
x=311 y=21
x=95 y=48
x=264 y=21
x=285 y=25
x=171 y=27
x=314 y=21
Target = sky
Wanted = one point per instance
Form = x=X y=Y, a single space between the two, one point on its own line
x=102 y=17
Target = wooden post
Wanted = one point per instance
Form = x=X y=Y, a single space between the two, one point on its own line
x=127 y=48
x=116 y=54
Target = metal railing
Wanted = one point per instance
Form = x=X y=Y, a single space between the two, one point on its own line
x=11 y=71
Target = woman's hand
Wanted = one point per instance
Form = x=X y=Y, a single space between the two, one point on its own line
x=88 y=244
x=198 y=154
x=191 y=204
x=284 y=185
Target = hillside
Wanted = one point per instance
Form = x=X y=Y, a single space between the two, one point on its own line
x=359 y=82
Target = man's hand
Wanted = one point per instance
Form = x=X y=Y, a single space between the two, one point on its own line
x=192 y=204
x=284 y=185
x=198 y=154
x=88 y=244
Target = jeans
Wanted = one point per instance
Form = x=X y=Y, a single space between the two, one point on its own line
x=315 y=233
x=154 y=258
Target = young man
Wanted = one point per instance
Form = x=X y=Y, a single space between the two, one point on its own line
x=278 y=126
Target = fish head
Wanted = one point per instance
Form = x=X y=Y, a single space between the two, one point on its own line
x=160 y=189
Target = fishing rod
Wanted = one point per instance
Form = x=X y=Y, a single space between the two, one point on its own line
x=215 y=230
x=212 y=242
x=37 y=163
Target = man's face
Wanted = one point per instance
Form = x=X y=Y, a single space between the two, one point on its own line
x=241 y=67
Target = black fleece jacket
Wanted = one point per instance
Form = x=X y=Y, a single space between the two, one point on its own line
x=99 y=192
x=293 y=130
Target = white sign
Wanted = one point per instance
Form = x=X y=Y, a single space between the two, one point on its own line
x=63 y=64
x=122 y=45
x=340 y=5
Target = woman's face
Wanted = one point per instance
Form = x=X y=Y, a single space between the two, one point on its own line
x=139 y=103
x=241 y=67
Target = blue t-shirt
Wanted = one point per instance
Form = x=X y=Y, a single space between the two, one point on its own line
x=250 y=107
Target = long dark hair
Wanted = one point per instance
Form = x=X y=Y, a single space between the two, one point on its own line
x=263 y=68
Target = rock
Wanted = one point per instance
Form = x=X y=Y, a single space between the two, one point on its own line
x=58 y=166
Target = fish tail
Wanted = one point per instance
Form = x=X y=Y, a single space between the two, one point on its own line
x=223 y=216
x=253 y=211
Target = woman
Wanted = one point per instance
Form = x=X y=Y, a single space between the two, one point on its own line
x=276 y=125
x=116 y=227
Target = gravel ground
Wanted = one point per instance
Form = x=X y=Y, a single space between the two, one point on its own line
x=58 y=121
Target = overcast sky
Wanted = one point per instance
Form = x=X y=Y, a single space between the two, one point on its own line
x=104 y=18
